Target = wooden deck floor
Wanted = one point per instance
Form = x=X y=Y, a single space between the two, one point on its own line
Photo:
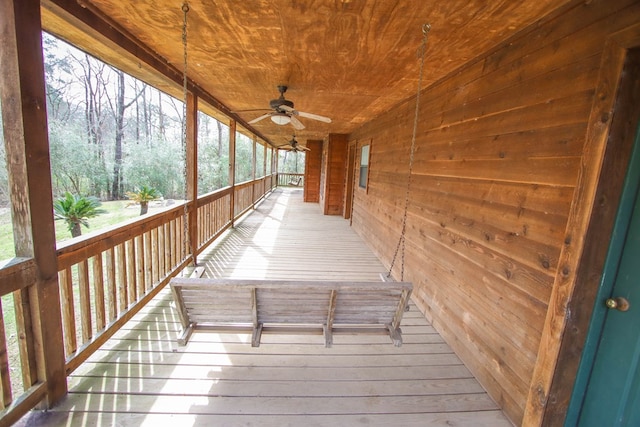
x=141 y=377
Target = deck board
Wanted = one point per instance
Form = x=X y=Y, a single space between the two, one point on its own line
x=142 y=377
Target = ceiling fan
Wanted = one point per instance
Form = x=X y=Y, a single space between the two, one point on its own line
x=283 y=112
x=293 y=144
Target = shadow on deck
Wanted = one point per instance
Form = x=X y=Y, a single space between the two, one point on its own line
x=141 y=376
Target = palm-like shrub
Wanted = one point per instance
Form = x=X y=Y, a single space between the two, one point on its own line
x=76 y=210
x=143 y=196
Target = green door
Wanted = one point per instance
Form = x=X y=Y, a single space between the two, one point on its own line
x=612 y=395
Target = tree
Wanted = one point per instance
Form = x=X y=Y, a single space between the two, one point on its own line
x=143 y=196
x=76 y=210
x=118 y=111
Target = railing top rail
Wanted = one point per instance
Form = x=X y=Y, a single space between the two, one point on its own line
x=214 y=195
x=16 y=273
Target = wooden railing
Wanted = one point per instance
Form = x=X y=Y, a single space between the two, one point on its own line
x=290 y=179
x=18 y=278
x=105 y=278
x=214 y=216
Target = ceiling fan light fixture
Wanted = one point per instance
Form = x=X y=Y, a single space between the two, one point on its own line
x=281 y=119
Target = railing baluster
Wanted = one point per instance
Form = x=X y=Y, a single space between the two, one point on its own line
x=140 y=270
x=5 y=374
x=155 y=256
x=68 y=311
x=85 y=301
x=202 y=221
x=210 y=226
x=162 y=251
x=147 y=250
x=131 y=272
x=167 y=246
x=110 y=262
x=24 y=328
x=173 y=241
x=182 y=249
x=121 y=274
x=98 y=292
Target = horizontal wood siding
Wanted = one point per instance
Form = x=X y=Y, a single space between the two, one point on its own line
x=497 y=158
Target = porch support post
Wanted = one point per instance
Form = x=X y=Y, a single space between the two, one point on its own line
x=264 y=170
x=22 y=90
x=192 y=173
x=276 y=161
x=254 y=168
x=274 y=168
x=232 y=169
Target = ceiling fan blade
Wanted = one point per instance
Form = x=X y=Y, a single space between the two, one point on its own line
x=287 y=108
x=296 y=123
x=313 y=116
x=304 y=148
x=256 y=120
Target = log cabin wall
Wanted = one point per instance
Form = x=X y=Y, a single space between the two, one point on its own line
x=498 y=157
x=333 y=172
x=312 y=171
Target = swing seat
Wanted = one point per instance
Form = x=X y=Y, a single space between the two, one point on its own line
x=290 y=306
x=295 y=182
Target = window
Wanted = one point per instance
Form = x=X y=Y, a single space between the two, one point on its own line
x=364 y=166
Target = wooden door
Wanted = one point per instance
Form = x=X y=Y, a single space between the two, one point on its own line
x=613 y=392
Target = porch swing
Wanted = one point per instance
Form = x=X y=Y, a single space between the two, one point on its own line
x=325 y=307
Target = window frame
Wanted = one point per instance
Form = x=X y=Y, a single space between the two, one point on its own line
x=364 y=166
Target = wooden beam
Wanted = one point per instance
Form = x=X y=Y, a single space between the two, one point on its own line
x=22 y=90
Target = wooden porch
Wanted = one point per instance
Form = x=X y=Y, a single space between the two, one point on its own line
x=141 y=377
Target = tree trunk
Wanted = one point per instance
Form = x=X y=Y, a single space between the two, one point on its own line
x=219 y=138
x=117 y=190
x=160 y=117
x=76 y=230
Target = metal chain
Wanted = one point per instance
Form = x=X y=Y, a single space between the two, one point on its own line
x=186 y=243
x=401 y=242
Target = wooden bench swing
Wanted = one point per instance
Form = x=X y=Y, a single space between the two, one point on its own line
x=295 y=182
x=292 y=306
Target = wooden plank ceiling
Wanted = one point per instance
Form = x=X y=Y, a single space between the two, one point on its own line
x=349 y=60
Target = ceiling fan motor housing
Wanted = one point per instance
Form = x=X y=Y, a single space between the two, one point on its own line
x=277 y=103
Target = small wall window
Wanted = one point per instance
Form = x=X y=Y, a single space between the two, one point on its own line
x=364 y=166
